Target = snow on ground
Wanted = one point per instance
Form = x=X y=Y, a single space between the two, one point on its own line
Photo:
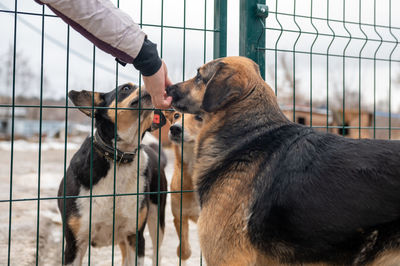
x=24 y=179
x=23 y=145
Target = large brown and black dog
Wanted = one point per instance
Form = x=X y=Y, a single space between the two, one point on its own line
x=273 y=192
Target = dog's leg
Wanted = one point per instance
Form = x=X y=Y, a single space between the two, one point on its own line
x=185 y=251
x=153 y=228
x=122 y=247
x=80 y=252
x=128 y=252
x=130 y=245
x=194 y=218
x=74 y=249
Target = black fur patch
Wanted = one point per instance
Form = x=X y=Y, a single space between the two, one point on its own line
x=323 y=195
x=157 y=179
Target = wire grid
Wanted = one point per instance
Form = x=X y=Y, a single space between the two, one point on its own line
x=18 y=15
x=328 y=45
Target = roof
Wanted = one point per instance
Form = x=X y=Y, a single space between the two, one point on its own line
x=386 y=114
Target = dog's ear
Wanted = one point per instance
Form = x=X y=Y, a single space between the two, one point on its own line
x=86 y=99
x=224 y=87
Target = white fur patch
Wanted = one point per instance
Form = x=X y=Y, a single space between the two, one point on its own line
x=102 y=207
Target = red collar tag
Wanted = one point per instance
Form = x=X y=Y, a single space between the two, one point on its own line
x=156 y=119
x=159 y=120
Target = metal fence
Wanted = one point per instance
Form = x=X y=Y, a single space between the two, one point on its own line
x=26 y=90
x=334 y=66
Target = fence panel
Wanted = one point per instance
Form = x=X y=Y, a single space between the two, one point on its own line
x=334 y=65
x=43 y=59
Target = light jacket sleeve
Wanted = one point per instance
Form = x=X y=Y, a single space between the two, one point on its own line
x=110 y=29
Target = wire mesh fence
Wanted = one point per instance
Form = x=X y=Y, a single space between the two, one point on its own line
x=334 y=65
x=43 y=60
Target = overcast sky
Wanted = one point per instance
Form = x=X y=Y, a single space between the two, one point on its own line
x=80 y=72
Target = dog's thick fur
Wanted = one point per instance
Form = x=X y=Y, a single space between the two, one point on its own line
x=184 y=129
x=274 y=192
x=94 y=172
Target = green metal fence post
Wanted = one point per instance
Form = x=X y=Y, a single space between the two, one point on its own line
x=220 y=18
x=251 y=33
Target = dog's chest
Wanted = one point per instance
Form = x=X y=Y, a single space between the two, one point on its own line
x=188 y=156
x=103 y=208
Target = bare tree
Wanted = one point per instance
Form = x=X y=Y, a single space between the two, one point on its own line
x=23 y=71
x=286 y=83
x=352 y=100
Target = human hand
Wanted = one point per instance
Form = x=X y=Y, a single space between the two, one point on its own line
x=156 y=85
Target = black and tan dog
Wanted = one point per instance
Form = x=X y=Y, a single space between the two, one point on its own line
x=123 y=216
x=273 y=192
x=183 y=131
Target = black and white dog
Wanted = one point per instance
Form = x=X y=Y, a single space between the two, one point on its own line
x=124 y=216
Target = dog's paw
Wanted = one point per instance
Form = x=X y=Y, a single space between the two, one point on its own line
x=185 y=252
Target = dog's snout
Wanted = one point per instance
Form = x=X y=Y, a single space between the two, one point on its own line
x=175 y=130
x=169 y=89
x=173 y=92
x=184 y=98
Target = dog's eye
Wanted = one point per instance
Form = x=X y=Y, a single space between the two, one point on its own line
x=176 y=116
x=198 y=118
x=126 y=88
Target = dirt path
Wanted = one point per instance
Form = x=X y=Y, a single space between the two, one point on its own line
x=24 y=213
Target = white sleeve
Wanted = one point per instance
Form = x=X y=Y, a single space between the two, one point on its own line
x=101 y=22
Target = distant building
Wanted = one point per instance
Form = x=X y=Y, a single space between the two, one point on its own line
x=384 y=121
x=318 y=117
x=352 y=125
x=355 y=125
x=27 y=119
x=24 y=127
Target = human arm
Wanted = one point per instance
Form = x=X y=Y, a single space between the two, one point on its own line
x=114 y=32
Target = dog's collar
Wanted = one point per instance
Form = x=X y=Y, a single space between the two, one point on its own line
x=108 y=152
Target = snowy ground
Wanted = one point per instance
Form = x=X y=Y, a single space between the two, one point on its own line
x=24 y=213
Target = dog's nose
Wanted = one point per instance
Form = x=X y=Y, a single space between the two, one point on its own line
x=169 y=89
x=173 y=92
x=175 y=130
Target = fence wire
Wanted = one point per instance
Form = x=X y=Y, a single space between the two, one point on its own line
x=338 y=59
x=24 y=15
x=334 y=66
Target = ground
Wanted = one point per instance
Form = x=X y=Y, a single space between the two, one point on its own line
x=24 y=213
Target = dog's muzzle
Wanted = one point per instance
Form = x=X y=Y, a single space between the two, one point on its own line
x=176 y=131
x=181 y=101
x=173 y=91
